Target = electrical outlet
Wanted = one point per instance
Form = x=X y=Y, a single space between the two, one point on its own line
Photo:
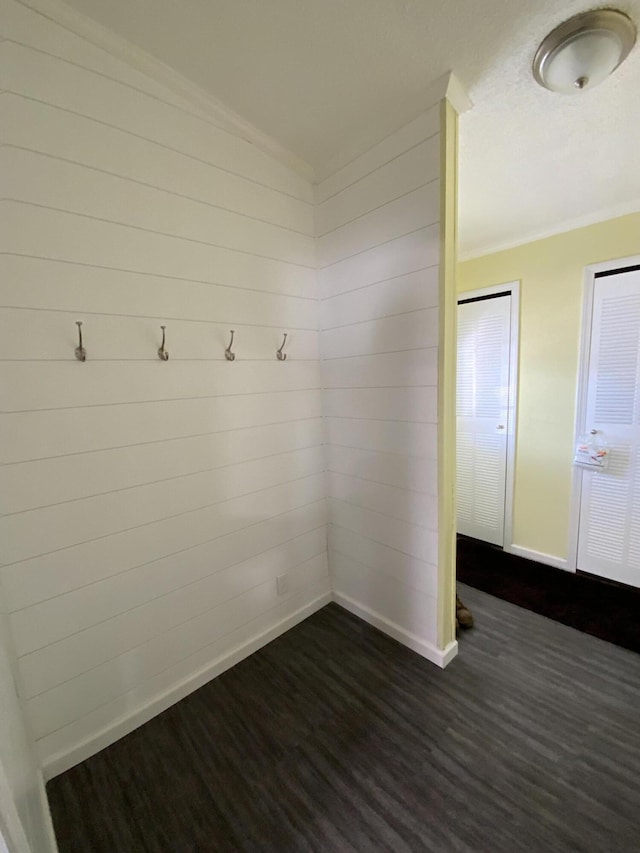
x=282 y=584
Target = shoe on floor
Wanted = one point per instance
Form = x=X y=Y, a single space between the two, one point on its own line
x=464 y=617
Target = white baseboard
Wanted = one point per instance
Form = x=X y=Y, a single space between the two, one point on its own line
x=51 y=845
x=539 y=557
x=59 y=763
x=441 y=657
x=124 y=725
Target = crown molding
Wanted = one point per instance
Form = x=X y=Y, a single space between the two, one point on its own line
x=615 y=212
x=206 y=106
x=448 y=86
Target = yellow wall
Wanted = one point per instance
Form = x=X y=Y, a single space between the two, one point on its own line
x=551 y=272
x=447 y=375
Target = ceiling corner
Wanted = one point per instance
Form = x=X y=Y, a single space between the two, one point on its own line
x=203 y=104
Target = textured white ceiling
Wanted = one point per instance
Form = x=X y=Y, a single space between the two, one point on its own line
x=533 y=162
x=322 y=75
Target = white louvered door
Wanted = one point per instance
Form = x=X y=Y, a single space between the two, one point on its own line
x=609 y=531
x=482 y=416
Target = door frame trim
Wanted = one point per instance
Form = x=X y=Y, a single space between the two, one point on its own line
x=514 y=351
x=590 y=273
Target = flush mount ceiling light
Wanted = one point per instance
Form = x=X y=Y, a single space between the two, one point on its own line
x=584 y=50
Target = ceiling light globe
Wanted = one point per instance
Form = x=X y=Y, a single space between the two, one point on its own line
x=583 y=51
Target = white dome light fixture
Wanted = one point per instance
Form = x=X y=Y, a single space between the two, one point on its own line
x=584 y=50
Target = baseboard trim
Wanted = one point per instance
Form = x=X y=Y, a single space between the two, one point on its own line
x=441 y=657
x=63 y=761
x=50 y=835
x=538 y=557
x=603 y=608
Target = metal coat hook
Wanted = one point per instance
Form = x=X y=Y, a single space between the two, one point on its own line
x=230 y=356
x=282 y=356
x=81 y=353
x=162 y=352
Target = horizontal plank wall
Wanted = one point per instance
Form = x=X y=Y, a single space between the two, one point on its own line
x=26 y=822
x=148 y=506
x=379 y=252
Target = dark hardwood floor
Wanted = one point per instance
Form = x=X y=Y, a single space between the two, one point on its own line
x=336 y=738
x=606 y=609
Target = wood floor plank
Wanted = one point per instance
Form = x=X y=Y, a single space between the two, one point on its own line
x=597 y=606
x=336 y=738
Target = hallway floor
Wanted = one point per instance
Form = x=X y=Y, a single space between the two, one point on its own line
x=336 y=738
x=600 y=607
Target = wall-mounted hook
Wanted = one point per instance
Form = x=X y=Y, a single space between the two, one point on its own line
x=81 y=353
x=230 y=356
x=282 y=356
x=162 y=352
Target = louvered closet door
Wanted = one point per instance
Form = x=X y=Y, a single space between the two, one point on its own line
x=482 y=408
x=609 y=533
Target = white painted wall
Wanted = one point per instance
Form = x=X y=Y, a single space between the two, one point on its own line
x=378 y=243
x=24 y=815
x=148 y=506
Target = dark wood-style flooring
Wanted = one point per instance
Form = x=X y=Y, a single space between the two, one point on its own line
x=604 y=608
x=336 y=738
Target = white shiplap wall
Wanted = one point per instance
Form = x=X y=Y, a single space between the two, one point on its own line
x=25 y=822
x=147 y=507
x=377 y=222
